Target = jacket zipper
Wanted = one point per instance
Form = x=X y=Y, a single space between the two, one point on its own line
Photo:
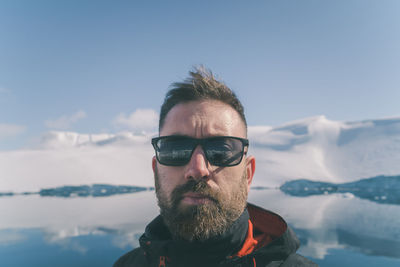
x=162 y=261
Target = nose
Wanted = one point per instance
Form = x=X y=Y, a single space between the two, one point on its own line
x=197 y=168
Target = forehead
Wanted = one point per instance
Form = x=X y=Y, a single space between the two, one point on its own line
x=203 y=119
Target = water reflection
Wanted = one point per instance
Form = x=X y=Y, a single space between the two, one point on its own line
x=338 y=221
x=80 y=228
x=11 y=237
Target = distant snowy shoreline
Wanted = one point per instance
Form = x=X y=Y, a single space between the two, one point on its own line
x=314 y=148
x=96 y=190
x=380 y=189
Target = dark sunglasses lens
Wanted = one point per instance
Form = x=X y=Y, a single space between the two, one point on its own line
x=224 y=151
x=174 y=151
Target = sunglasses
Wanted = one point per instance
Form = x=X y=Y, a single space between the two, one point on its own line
x=176 y=150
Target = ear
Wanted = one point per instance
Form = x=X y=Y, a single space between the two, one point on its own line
x=250 y=169
x=154 y=164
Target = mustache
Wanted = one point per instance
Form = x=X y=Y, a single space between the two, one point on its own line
x=195 y=186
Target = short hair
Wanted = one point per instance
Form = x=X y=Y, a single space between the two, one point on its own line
x=200 y=85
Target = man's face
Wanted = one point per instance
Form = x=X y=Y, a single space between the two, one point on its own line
x=199 y=200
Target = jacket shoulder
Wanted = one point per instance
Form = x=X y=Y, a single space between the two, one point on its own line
x=295 y=260
x=132 y=258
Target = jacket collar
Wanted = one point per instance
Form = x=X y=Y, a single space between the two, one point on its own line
x=275 y=241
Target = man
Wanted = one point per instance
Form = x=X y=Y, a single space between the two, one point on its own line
x=202 y=178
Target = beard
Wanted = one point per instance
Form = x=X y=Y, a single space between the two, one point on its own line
x=202 y=221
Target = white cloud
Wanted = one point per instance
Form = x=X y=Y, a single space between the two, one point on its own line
x=139 y=120
x=8 y=130
x=65 y=121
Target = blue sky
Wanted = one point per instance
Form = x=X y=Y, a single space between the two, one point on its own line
x=86 y=66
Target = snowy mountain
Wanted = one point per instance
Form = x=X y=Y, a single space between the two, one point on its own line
x=57 y=140
x=323 y=150
x=314 y=148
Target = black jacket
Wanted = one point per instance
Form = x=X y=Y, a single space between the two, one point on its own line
x=264 y=240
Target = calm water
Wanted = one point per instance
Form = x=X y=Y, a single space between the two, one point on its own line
x=335 y=230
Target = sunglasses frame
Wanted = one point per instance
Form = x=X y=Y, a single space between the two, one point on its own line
x=201 y=142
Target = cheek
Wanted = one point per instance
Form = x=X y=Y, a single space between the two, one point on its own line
x=168 y=179
x=228 y=180
x=165 y=186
